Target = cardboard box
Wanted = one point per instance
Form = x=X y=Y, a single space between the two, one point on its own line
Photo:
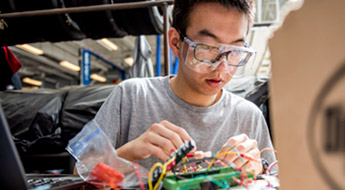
x=308 y=96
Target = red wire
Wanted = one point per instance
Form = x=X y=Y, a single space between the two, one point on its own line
x=270 y=167
x=136 y=171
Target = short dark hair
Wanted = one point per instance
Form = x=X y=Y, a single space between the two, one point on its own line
x=183 y=8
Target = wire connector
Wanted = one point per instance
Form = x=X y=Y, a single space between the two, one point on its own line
x=183 y=151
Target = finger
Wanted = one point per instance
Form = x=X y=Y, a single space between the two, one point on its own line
x=231 y=144
x=253 y=167
x=235 y=140
x=168 y=134
x=158 y=152
x=243 y=147
x=165 y=144
x=180 y=131
x=246 y=158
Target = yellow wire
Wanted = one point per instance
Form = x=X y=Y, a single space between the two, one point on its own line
x=200 y=167
x=219 y=155
x=163 y=172
x=184 y=164
x=158 y=164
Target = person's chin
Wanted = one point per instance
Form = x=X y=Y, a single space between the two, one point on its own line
x=212 y=90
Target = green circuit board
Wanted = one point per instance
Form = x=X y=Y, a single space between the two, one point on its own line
x=222 y=177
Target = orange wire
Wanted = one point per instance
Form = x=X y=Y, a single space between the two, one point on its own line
x=258 y=154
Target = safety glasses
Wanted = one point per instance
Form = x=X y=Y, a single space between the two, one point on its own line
x=206 y=56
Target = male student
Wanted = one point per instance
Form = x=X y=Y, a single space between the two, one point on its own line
x=146 y=118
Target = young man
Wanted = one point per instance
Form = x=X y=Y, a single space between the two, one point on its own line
x=146 y=118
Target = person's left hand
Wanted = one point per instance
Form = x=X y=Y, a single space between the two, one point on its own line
x=247 y=148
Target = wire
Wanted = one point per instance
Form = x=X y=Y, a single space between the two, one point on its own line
x=222 y=184
x=264 y=149
x=250 y=158
x=237 y=180
x=226 y=153
x=233 y=151
x=228 y=146
x=163 y=172
x=226 y=184
x=270 y=167
x=222 y=154
x=190 y=166
x=158 y=164
x=184 y=164
x=253 y=173
x=135 y=168
x=186 y=186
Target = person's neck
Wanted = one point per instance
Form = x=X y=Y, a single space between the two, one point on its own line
x=185 y=92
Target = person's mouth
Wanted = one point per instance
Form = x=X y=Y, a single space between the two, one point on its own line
x=214 y=82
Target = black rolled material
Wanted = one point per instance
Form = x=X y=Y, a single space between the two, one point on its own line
x=43 y=121
x=18 y=30
x=34 y=118
x=52 y=28
x=61 y=27
x=6 y=6
x=96 y=24
x=141 y=21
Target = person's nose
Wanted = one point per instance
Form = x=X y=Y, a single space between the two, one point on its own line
x=223 y=65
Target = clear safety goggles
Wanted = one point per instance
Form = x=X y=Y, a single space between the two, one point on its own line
x=205 y=57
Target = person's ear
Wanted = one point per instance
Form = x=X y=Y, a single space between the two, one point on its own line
x=174 y=41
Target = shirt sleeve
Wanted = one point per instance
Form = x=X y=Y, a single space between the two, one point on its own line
x=108 y=116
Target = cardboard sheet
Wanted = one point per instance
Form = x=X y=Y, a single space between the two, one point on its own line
x=308 y=96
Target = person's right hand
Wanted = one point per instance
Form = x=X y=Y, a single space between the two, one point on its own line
x=158 y=141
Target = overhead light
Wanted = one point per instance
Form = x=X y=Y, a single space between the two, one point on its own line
x=32 y=81
x=70 y=66
x=129 y=61
x=30 y=49
x=98 y=78
x=29 y=88
x=108 y=44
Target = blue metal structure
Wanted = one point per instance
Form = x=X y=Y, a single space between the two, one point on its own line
x=85 y=70
x=158 y=56
x=173 y=64
x=175 y=67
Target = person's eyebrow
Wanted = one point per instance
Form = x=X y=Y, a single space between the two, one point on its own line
x=207 y=33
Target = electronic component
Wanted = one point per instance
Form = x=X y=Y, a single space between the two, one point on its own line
x=183 y=151
x=194 y=180
x=175 y=157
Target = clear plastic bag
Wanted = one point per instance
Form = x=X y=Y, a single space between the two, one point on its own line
x=91 y=147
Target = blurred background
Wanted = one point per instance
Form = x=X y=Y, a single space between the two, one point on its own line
x=50 y=48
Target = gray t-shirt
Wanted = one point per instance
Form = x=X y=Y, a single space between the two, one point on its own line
x=135 y=104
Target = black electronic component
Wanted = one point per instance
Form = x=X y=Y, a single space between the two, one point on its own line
x=179 y=154
x=183 y=151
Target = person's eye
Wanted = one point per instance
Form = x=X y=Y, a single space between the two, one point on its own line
x=203 y=47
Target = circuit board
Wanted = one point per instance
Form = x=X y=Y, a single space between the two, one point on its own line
x=223 y=177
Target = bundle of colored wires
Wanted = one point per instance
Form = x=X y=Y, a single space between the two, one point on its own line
x=197 y=164
x=164 y=169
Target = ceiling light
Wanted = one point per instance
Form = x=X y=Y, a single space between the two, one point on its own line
x=129 y=61
x=30 y=49
x=98 y=78
x=108 y=44
x=70 y=66
x=32 y=81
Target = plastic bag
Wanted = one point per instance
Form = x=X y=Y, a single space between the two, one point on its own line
x=94 y=154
